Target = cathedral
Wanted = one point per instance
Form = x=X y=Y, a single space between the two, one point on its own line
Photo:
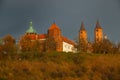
x=55 y=41
x=86 y=45
x=98 y=33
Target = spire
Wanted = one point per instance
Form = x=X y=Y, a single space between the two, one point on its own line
x=98 y=24
x=82 y=26
x=30 y=24
x=31 y=30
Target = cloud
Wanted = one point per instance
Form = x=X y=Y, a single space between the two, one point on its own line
x=15 y=15
x=1 y=4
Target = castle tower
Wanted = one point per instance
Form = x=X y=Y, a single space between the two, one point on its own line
x=82 y=34
x=31 y=32
x=54 y=34
x=98 y=32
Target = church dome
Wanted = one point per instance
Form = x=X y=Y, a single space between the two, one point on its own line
x=31 y=30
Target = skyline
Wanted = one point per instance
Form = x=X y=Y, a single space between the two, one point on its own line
x=15 y=16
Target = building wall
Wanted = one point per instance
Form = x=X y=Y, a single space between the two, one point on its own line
x=54 y=35
x=42 y=45
x=68 y=47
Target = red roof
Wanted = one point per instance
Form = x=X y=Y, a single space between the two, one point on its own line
x=67 y=40
x=32 y=36
x=42 y=36
x=54 y=26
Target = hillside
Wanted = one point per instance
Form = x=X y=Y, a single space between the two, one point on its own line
x=60 y=66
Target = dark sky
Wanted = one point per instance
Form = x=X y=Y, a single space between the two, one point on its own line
x=68 y=15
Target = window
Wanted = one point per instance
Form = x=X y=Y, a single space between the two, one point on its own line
x=68 y=47
x=65 y=45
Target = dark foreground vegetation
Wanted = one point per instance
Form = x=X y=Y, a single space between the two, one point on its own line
x=60 y=66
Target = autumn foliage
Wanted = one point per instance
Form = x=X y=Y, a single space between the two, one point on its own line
x=8 y=46
x=62 y=66
x=24 y=61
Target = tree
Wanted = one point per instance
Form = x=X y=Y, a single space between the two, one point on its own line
x=103 y=47
x=1 y=46
x=116 y=48
x=82 y=46
x=25 y=44
x=9 y=44
x=51 y=44
x=28 y=45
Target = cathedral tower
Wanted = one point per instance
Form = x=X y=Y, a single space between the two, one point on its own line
x=83 y=38
x=54 y=37
x=98 y=32
x=82 y=34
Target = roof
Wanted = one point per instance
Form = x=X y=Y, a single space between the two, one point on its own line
x=98 y=25
x=42 y=36
x=32 y=36
x=54 y=26
x=67 y=40
x=31 y=30
x=82 y=26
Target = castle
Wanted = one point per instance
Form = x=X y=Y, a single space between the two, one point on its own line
x=54 y=40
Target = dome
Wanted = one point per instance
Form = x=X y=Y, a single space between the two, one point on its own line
x=31 y=30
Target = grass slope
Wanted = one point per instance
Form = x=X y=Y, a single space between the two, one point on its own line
x=60 y=66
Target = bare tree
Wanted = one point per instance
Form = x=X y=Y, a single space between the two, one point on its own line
x=104 y=46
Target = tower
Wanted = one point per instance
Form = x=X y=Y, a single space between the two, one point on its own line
x=54 y=38
x=31 y=32
x=82 y=34
x=83 y=43
x=98 y=32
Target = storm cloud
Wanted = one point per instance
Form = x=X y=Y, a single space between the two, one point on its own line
x=68 y=14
